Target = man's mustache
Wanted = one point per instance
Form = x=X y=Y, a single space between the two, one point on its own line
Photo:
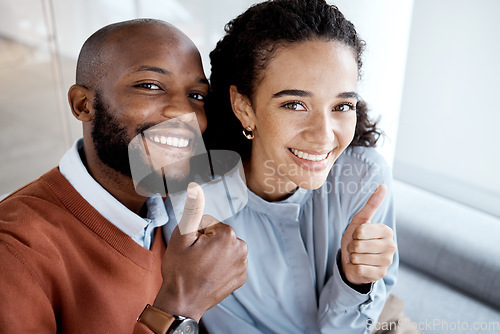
x=168 y=124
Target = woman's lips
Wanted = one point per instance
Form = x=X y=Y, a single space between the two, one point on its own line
x=310 y=155
x=313 y=160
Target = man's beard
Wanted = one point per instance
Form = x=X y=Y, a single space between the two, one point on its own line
x=111 y=139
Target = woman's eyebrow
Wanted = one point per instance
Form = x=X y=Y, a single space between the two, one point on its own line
x=305 y=93
x=348 y=95
x=293 y=92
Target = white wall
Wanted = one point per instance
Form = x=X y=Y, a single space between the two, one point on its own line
x=448 y=134
x=26 y=20
x=385 y=26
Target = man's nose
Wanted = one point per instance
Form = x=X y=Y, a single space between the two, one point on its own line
x=178 y=106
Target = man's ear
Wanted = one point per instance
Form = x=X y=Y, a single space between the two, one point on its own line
x=242 y=108
x=80 y=100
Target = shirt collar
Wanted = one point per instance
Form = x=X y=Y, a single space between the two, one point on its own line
x=72 y=167
x=288 y=209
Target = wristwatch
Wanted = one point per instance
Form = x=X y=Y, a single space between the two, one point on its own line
x=163 y=323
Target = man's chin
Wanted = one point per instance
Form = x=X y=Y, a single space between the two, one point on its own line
x=171 y=178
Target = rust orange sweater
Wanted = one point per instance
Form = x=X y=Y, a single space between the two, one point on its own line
x=66 y=269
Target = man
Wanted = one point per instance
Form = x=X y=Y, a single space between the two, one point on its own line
x=81 y=250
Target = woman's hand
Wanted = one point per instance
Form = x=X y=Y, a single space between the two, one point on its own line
x=367 y=248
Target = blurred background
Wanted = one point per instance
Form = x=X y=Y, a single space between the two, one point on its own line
x=431 y=75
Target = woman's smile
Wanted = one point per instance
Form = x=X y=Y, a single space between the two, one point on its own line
x=303 y=115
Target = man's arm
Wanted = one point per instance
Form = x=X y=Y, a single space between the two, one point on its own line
x=24 y=304
x=200 y=267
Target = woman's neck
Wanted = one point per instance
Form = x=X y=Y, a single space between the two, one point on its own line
x=265 y=180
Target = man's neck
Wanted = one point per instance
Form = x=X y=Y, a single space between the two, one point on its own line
x=118 y=185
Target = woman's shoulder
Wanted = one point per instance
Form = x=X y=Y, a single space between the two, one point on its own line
x=359 y=162
x=362 y=155
x=354 y=177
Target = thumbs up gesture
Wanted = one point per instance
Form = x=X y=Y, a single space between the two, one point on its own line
x=367 y=248
x=204 y=261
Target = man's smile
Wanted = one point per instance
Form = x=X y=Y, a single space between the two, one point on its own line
x=170 y=141
x=178 y=138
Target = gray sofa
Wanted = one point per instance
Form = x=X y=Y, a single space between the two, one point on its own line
x=449 y=263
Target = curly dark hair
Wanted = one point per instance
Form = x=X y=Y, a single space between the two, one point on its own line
x=241 y=56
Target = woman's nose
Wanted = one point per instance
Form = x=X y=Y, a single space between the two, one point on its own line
x=320 y=128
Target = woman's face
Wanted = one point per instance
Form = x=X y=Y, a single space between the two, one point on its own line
x=303 y=116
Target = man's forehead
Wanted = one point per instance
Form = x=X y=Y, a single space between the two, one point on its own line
x=147 y=42
x=144 y=32
x=153 y=47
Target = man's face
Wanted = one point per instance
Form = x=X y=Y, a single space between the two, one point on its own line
x=154 y=77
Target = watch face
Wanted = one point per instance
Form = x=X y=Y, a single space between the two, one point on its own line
x=185 y=326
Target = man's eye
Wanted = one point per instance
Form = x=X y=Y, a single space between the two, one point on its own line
x=149 y=86
x=296 y=106
x=197 y=96
x=344 y=107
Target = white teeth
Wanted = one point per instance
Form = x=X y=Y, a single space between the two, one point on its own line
x=171 y=141
x=310 y=157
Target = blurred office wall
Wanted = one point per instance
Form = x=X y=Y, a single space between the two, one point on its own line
x=448 y=131
x=39 y=44
x=40 y=41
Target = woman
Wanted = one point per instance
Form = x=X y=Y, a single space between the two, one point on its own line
x=285 y=74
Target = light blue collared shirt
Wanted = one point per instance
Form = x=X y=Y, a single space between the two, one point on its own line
x=139 y=229
x=294 y=284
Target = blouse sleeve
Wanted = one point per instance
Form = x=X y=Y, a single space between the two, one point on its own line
x=340 y=306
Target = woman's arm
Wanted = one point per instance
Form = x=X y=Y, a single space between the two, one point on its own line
x=343 y=304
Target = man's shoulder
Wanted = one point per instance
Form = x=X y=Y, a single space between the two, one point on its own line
x=27 y=215
x=31 y=208
x=36 y=189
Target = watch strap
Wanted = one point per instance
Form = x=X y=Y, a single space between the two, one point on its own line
x=156 y=320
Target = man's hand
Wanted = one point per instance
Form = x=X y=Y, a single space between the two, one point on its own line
x=367 y=249
x=200 y=267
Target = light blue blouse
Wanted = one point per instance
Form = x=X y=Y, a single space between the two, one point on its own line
x=294 y=284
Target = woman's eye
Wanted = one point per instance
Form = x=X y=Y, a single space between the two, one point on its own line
x=197 y=96
x=150 y=86
x=296 y=106
x=344 y=107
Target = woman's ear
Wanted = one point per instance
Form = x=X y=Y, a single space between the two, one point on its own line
x=242 y=108
x=80 y=100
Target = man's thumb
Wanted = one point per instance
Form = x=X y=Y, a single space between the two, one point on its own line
x=193 y=209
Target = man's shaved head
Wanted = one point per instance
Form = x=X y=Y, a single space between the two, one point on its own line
x=132 y=76
x=93 y=58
